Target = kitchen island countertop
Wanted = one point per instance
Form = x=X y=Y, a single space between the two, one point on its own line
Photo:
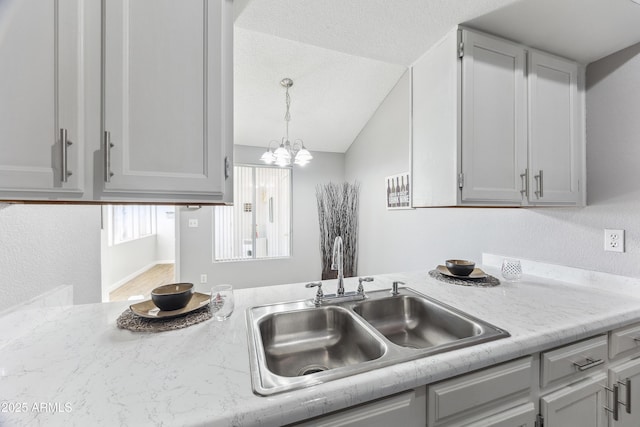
x=73 y=366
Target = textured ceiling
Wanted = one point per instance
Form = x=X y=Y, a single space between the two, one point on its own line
x=345 y=56
x=397 y=31
x=583 y=30
x=332 y=98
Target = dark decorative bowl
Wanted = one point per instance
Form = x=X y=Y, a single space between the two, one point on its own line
x=173 y=296
x=460 y=267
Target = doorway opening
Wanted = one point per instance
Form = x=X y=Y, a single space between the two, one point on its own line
x=138 y=253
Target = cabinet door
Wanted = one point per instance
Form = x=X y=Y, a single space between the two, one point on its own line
x=406 y=409
x=520 y=416
x=493 y=120
x=167 y=96
x=580 y=404
x=555 y=163
x=40 y=89
x=627 y=376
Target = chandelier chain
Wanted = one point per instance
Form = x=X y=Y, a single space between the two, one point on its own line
x=287 y=115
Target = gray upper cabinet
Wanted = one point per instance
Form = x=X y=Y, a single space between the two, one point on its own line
x=555 y=151
x=488 y=116
x=41 y=115
x=493 y=120
x=133 y=99
x=167 y=91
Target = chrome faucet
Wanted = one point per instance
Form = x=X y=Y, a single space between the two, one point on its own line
x=321 y=298
x=337 y=263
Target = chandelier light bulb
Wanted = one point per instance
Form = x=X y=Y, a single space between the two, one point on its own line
x=268 y=157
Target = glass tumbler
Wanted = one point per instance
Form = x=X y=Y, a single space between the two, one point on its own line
x=222 y=303
x=511 y=270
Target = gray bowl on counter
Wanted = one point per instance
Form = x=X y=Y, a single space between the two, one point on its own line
x=460 y=267
x=173 y=296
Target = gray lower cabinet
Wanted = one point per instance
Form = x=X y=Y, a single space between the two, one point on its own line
x=594 y=382
x=496 y=396
x=521 y=416
x=573 y=380
x=580 y=404
x=407 y=409
x=626 y=377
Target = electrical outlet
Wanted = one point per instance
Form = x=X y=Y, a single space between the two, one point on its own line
x=193 y=222
x=203 y=278
x=614 y=240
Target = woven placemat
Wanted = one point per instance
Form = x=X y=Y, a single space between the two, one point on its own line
x=128 y=320
x=488 y=281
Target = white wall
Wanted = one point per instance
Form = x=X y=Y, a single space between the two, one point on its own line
x=196 y=244
x=165 y=233
x=419 y=239
x=124 y=261
x=43 y=247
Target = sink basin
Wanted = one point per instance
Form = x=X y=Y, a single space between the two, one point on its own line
x=416 y=322
x=305 y=342
x=296 y=344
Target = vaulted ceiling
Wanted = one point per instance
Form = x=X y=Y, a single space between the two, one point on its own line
x=345 y=56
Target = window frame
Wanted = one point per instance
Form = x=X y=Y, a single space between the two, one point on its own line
x=255 y=166
x=135 y=227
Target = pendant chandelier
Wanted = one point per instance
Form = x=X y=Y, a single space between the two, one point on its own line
x=285 y=153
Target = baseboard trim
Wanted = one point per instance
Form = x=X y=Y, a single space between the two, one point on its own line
x=112 y=287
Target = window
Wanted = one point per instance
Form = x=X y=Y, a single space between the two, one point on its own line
x=258 y=225
x=130 y=222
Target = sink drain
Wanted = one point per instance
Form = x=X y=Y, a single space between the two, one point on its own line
x=312 y=369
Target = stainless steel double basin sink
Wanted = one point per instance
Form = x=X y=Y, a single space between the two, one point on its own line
x=296 y=344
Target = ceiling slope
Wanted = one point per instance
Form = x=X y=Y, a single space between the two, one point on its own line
x=332 y=98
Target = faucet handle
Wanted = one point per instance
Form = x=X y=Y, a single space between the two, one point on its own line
x=363 y=279
x=394 y=290
x=319 y=294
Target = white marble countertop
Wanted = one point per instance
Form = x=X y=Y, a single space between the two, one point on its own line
x=73 y=366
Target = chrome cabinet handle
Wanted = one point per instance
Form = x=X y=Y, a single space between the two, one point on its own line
x=613 y=410
x=539 y=185
x=525 y=183
x=65 y=143
x=627 y=394
x=590 y=363
x=108 y=145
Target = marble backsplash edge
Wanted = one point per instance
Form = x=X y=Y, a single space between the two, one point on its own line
x=578 y=276
x=56 y=297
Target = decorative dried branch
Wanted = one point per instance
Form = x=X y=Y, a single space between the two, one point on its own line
x=338 y=216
